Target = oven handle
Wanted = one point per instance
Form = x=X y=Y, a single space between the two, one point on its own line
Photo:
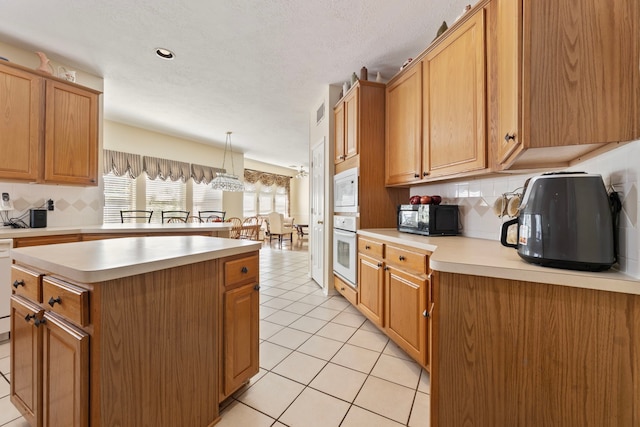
x=344 y=233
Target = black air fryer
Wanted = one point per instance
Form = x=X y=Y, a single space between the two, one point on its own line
x=565 y=221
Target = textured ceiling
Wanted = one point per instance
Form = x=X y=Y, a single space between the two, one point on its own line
x=255 y=67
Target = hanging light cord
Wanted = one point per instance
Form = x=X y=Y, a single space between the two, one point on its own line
x=224 y=159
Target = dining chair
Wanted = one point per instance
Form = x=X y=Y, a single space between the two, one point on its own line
x=175 y=216
x=236 y=225
x=135 y=215
x=249 y=229
x=211 y=216
x=279 y=227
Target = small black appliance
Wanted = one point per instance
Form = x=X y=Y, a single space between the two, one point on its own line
x=428 y=220
x=38 y=218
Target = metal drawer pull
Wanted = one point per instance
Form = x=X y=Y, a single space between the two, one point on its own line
x=29 y=317
x=256 y=287
x=53 y=300
x=401 y=258
x=18 y=283
x=244 y=270
x=39 y=322
x=379 y=264
x=367 y=247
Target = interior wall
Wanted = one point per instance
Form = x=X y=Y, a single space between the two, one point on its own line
x=324 y=131
x=619 y=169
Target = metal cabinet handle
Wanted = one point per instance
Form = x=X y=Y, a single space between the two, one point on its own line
x=416 y=175
x=53 y=300
x=510 y=136
x=429 y=313
x=244 y=270
x=379 y=264
x=18 y=283
x=39 y=322
x=256 y=287
x=367 y=247
x=401 y=258
x=425 y=173
x=29 y=317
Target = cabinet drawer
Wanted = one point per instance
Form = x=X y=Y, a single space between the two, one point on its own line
x=67 y=300
x=27 y=283
x=410 y=260
x=241 y=271
x=347 y=291
x=370 y=248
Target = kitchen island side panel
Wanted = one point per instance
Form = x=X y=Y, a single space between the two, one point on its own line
x=156 y=354
x=528 y=354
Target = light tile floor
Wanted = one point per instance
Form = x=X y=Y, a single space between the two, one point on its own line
x=321 y=362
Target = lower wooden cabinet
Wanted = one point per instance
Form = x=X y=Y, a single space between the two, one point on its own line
x=406 y=305
x=65 y=373
x=347 y=291
x=26 y=359
x=394 y=292
x=371 y=289
x=240 y=320
x=241 y=336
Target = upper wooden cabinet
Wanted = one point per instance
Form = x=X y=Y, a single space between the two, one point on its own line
x=403 y=143
x=454 y=102
x=51 y=126
x=346 y=115
x=565 y=77
x=352 y=113
x=436 y=110
x=21 y=96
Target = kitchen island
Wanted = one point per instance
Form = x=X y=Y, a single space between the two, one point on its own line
x=512 y=343
x=132 y=331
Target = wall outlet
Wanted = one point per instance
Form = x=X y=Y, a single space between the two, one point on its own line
x=50 y=205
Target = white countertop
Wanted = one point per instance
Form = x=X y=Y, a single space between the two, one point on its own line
x=479 y=257
x=11 y=233
x=101 y=260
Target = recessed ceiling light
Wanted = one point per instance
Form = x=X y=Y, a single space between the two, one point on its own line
x=165 y=53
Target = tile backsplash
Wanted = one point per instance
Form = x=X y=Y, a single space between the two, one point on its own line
x=619 y=168
x=73 y=206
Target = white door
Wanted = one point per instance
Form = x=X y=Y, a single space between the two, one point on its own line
x=316 y=241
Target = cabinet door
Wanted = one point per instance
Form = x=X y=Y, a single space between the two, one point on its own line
x=509 y=57
x=339 y=135
x=241 y=336
x=406 y=302
x=65 y=374
x=26 y=359
x=403 y=142
x=454 y=105
x=351 y=123
x=371 y=289
x=71 y=135
x=20 y=123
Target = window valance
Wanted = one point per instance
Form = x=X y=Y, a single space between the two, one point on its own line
x=203 y=174
x=252 y=176
x=166 y=169
x=121 y=163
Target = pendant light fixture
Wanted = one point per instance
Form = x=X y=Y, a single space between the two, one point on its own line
x=227 y=181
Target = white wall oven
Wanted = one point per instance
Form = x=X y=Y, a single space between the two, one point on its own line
x=345 y=248
x=345 y=191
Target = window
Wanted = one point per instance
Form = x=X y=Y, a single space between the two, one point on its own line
x=164 y=195
x=250 y=207
x=119 y=194
x=206 y=198
x=265 y=200
x=282 y=201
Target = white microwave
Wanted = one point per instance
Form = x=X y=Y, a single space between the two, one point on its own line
x=345 y=191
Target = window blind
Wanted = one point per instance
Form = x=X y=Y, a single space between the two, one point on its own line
x=119 y=194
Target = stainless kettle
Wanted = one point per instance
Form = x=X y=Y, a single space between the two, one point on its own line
x=565 y=220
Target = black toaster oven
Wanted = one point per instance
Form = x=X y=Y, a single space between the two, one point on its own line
x=428 y=220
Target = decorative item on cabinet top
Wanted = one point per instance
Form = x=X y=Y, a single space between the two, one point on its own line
x=45 y=64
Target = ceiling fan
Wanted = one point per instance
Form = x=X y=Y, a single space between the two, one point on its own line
x=301 y=172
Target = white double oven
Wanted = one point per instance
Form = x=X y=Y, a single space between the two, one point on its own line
x=345 y=206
